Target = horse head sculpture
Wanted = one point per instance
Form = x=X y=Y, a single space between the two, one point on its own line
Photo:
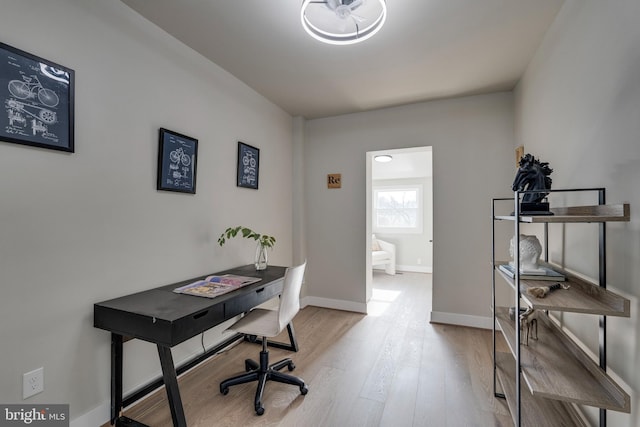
x=532 y=175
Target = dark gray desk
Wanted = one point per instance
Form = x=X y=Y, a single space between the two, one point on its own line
x=166 y=319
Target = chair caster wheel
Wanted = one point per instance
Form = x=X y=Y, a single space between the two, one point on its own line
x=304 y=390
x=291 y=366
x=224 y=390
x=250 y=365
x=259 y=410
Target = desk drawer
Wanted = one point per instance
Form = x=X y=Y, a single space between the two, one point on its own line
x=192 y=325
x=243 y=303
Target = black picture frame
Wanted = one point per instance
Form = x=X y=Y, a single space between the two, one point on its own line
x=37 y=101
x=177 y=162
x=248 y=166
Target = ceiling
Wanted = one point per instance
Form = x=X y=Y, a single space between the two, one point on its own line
x=428 y=49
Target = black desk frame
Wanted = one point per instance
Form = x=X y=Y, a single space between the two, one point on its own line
x=108 y=315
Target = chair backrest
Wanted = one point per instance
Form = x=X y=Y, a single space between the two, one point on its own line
x=290 y=298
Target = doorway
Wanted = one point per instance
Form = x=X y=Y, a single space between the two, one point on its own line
x=400 y=208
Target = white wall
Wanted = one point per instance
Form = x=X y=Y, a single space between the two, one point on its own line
x=578 y=108
x=80 y=228
x=472 y=140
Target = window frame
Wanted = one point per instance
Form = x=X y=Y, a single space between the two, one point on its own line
x=419 y=228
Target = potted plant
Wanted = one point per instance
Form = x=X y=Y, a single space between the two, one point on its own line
x=264 y=241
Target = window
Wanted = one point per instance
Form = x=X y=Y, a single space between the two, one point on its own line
x=398 y=209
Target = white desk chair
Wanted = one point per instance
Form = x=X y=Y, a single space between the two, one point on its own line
x=268 y=324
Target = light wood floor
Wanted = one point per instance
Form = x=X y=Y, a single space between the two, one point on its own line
x=391 y=368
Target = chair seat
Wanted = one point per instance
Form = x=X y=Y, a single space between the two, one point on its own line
x=260 y=322
x=380 y=256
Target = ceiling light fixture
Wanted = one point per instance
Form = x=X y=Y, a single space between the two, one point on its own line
x=383 y=158
x=343 y=22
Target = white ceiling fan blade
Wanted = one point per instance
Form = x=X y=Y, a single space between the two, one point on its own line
x=343 y=25
x=323 y=3
x=321 y=8
x=333 y=4
x=356 y=4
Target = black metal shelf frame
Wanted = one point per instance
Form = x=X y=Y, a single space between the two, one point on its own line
x=602 y=279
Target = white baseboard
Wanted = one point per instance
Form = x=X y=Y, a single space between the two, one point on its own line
x=95 y=417
x=461 y=320
x=414 y=268
x=335 y=304
x=409 y=268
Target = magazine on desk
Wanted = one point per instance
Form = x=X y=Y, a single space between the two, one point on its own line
x=213 y=286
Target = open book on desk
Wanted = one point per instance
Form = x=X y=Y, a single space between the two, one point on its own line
x=213 y=286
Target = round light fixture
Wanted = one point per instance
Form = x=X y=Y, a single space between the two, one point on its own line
x=342 y=22
x=383 y=158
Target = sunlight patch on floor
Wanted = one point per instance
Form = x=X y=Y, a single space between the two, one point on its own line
x=381 y=299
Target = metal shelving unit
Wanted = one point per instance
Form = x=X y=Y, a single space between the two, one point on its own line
x=556 y=371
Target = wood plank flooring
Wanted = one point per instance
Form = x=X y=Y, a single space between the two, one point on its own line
x=389 y=368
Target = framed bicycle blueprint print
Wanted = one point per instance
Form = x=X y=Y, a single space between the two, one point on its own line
x=36 y=96
x=248 y=166
x=177 y=159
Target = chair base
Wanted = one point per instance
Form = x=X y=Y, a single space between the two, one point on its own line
x=262 y=373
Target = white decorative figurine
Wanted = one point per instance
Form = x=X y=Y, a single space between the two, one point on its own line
x=530 y=251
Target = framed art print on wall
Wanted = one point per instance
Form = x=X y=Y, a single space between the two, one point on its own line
x=248 y=166
x=177 y=161
x=36 y=96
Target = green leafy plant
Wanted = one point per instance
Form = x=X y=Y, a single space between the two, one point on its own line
x=263 y=239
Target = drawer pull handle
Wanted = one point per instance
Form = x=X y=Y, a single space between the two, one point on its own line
x=199 y=315
x=259 y=290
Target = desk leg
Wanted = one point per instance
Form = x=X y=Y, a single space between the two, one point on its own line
x=116 y=376
x=171 y=384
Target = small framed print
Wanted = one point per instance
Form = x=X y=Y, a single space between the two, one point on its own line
x=334 y=180
x=248 y=166
x=177 y=161
x=36 y=96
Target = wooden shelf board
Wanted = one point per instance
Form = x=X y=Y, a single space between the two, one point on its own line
x=581 y=297
x=536 y=411
x=597 y=213
x=554 y=367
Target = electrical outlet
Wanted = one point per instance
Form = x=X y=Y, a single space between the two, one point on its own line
x=32 y=383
